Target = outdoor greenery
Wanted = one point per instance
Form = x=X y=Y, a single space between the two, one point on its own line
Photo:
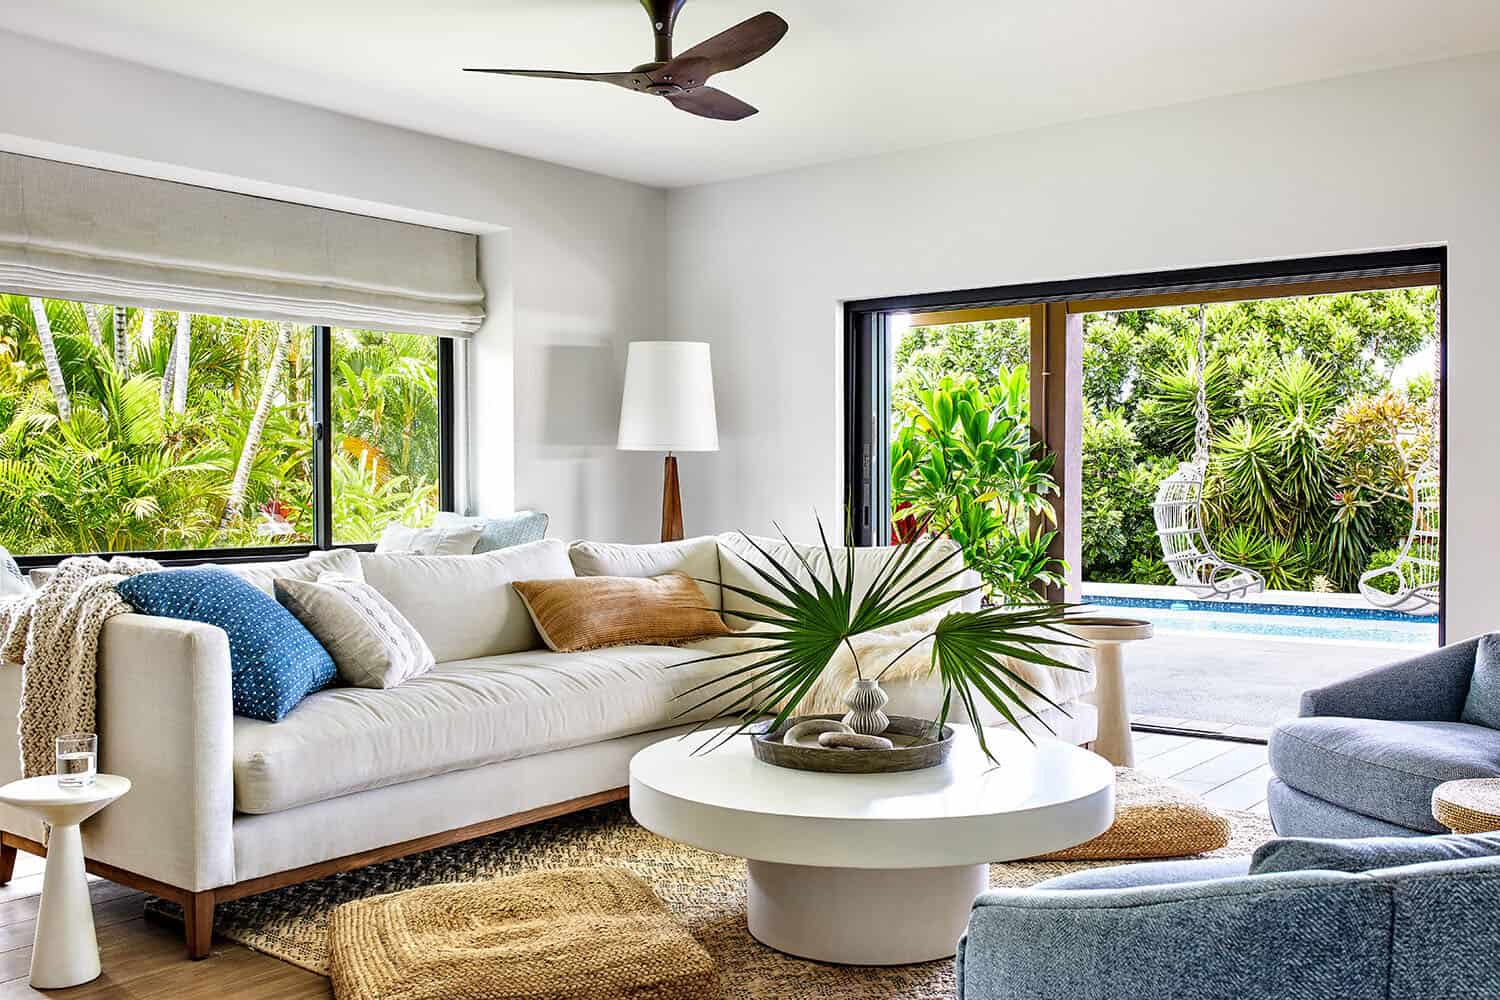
x=962 y=463
x=129 y=430
x=1316 y=436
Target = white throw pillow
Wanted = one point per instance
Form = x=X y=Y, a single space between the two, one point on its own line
x=371 y=643
x=694 y=557
x=465 y=606
x=263 y=575
x=738 y=559
x=457 y=540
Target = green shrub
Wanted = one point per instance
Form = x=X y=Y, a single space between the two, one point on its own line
x=1381 y=558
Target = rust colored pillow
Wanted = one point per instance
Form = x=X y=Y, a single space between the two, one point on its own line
x=591 y=612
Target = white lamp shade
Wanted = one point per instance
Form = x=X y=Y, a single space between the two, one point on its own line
x=669 y=398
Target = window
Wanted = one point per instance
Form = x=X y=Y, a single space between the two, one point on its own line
x=139 y=430
x=385 y=432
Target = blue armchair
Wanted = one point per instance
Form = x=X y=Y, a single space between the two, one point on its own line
x=1207 y=930
x=1366 y=753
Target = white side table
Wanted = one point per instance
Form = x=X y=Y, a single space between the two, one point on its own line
x=66 y=952
x=1106 y=635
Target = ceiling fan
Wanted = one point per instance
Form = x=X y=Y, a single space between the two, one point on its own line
x=682 y=79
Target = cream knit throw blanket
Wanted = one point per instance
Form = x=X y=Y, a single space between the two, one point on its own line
x=876 y=649
x=53 y=633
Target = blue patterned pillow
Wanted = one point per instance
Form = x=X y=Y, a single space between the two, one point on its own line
x=274 y=660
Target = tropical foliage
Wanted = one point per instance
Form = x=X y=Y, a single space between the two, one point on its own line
x=962 y=461
x=1320 y=409
x=132 y=429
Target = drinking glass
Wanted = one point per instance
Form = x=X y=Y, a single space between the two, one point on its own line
x=77 y=759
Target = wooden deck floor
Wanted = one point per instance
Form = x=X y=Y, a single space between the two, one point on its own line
x=144 y=960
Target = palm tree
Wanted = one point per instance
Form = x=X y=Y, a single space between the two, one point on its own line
x=91 y=317
x=257 y=425
x=181 y=351
x=49 y=358
x=122 y=343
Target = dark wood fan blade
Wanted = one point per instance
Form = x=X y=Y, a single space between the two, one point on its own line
x=707 y=102
x=630 y=81
x=727 y=50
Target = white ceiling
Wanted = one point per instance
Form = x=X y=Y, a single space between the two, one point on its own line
x=853 y=77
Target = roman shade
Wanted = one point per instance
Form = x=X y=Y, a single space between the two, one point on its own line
x=73 y=232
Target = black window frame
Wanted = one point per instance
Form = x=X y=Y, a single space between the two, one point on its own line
x=322 y=485
x=867 y=380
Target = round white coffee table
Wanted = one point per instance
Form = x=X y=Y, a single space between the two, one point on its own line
x=65 y=952
x=872 y=869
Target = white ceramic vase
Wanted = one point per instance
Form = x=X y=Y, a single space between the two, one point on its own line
x=865 y=700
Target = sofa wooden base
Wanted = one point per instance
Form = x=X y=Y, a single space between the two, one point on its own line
x=198 y=907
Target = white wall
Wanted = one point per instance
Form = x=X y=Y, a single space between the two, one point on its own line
x=568 y=284
x=1394 y=159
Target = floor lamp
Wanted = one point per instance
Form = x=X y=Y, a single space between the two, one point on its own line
x=668 y=406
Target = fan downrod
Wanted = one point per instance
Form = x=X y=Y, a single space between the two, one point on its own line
x=663 y=14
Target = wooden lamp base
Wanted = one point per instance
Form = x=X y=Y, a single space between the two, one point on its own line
x=671 y=502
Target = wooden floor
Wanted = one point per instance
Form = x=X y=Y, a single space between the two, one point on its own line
x=144 y=959
x=1227 y=775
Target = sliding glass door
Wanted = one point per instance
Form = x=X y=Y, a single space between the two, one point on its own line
x=1296 y=405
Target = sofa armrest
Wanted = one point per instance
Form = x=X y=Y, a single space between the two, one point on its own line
x=166 y=722
x=1312 y=935
x=1427 y=688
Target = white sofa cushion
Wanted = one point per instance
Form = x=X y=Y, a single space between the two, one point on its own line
x=262 y=575
x=371 y=643
x=696 y=557
x=738 y=559
x=464 y=606
x=439 y=540
x=456 y=716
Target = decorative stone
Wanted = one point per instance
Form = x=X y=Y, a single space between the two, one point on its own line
x=854 y=741
x=865 y=700
x=805 y=734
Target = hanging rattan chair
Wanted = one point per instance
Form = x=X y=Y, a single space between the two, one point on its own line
x=1179 y=513
x=1415 y=571
x=1185 y=549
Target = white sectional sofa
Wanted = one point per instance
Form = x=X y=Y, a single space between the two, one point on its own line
x=501 y=733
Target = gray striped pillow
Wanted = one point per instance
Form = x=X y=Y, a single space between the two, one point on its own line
x=372 y=644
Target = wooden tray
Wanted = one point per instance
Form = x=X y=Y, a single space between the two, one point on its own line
x=914 y=750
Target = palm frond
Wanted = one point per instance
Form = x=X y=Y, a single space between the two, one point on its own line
x=810 y=611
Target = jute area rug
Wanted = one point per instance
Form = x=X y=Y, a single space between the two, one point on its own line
x=704 y=891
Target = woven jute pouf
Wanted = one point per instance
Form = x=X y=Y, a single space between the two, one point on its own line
x=1153 y=819
x=1470 y=805
x=567 y=934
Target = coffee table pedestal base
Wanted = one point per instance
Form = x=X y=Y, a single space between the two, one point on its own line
x=862 y=916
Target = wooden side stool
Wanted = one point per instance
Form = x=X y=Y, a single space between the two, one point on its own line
x=1471 y=805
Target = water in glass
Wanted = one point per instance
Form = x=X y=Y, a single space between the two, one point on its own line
x=77 y=760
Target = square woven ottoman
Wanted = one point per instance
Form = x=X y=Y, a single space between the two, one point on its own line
x=568 y=934
x=1153 y=819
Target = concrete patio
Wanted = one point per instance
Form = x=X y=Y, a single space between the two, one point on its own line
x=1237 y=685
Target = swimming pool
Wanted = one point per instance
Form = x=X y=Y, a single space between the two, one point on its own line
x=1289 y=622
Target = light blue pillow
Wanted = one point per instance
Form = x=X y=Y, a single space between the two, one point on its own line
x=274 y=660
x=498 y=532
x=1364 y=854
x=1482 y=706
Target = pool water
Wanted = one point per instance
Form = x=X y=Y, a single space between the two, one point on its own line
x=1277 y=621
